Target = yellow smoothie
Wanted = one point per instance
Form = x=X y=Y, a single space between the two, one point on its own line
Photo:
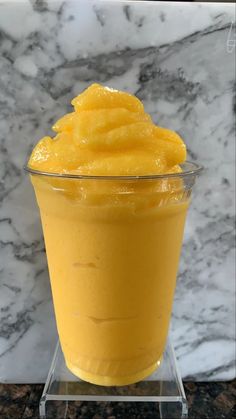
x=113 y=240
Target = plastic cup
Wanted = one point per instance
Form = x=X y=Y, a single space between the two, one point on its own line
x=113 y=246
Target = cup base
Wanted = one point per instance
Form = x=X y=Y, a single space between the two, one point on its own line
x=106 y=380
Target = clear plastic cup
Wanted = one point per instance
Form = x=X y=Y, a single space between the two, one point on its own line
x=113 y=245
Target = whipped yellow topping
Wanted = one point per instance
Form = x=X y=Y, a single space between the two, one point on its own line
x=108 y=133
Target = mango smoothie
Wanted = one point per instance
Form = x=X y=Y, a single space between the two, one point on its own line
x=113 y=202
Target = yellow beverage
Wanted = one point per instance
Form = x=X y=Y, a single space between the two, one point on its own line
x=113 y=243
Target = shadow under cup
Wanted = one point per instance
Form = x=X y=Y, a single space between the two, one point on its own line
x=113 y=247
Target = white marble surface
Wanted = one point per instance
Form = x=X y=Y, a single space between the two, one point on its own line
x=174 y=57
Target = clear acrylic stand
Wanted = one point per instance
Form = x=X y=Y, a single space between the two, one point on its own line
x=64 y=393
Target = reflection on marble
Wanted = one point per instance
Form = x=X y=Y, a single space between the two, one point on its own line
x=174 y=57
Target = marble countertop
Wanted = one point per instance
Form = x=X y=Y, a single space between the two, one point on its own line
x=206 y=401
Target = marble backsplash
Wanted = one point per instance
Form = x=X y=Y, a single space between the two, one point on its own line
x=179 y=60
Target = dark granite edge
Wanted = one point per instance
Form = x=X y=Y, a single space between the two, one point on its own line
x=211 y=400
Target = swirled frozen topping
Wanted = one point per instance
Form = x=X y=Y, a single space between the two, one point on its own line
x=108 y=133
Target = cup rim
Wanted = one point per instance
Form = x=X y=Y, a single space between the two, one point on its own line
x=189 y=169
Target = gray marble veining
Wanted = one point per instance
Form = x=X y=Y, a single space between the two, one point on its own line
x=176 y=58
